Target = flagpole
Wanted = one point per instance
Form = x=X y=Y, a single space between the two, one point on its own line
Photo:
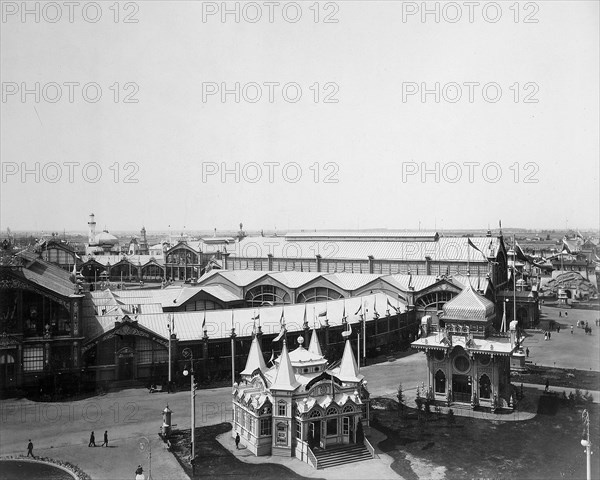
x=232 y=350
x=364 y=352
x=515 y=282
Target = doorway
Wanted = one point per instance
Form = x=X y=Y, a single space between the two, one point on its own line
x=461 y=388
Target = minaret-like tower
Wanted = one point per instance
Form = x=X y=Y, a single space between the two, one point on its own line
x=143 y=242
x=91 y=229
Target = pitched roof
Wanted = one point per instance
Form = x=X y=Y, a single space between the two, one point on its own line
x=348 y=369
x=315 y=346
x=285 y=379
x=255 y=359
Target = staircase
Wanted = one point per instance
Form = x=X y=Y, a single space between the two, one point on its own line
x=341 y=455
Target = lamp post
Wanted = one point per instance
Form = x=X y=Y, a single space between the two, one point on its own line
x=145 y=443
x=585 y=416
x=170 y=328
x=187 y=353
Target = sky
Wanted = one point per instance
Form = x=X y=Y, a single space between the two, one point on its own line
x=299 y=115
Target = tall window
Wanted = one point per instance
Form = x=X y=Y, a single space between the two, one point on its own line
x=299 y=430
x=440 y=382
x=267 y=295
x=346 y=426
x=332 y=426
x=265 y=427
x=33 y=359
x=281 y=409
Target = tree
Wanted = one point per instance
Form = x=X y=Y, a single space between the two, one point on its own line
x=400 y=397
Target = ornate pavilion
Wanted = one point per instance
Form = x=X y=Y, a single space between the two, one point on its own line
x=468 y=361
x=301 y=406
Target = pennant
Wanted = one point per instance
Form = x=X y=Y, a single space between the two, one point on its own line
x=305 y=322
x=272 y=359
x=204 y=321
x=359 y=311
x=471 y=244
x=390 y=305
x=375 y=314
x=256 y=317
x=344 y=313
x=278 y=337
x=323 y=313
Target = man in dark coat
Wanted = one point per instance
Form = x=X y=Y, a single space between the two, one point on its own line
x=92 y=440
x=237 y=441
x=105 y=438
x=30 y=448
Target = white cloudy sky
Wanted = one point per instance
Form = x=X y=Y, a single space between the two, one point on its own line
x=369 y=136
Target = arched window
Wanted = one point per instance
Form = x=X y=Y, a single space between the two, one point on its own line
x=267 y=295
x=318 y=294
x=315 y=414
x=332 y=411
x=440 y=382
x=485 y=387
x=434 y=301
x=348 y=409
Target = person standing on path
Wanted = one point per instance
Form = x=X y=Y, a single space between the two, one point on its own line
x=237 y=441
x=558 y=329
x=571 y=329
x=527 y=352
x=92 y=440
x=547 y=385
x=30 y=449
x=105 y=438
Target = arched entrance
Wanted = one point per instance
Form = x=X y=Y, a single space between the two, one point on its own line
x=126 y=364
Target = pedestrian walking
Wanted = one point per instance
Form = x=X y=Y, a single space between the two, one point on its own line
x=527 y=352
x=237 y=441
x=92 y=440
x=571 y=329
x=139 y=473
x=549 y=335
x=558 y=329
x=560 y=314
x=105 y=438
x=30 y=449
x=547 y=385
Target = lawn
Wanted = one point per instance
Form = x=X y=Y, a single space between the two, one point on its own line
x=558 y=377
x=216 y=462
x=545 y=447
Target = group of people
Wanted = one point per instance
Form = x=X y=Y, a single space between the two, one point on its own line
x=92 y=442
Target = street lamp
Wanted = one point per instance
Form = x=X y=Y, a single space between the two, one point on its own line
x=585 y=417
x=145 y=444
x=187 y=353
x=170 y=327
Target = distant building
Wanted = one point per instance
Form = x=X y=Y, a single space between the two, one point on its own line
x=102 y=243
x=300 y=406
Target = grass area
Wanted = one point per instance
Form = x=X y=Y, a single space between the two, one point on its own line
x=545 y=447
x=559 y=377
x=215 y=462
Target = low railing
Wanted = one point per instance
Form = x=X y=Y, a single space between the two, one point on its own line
x=312 y=459
x=370 y=448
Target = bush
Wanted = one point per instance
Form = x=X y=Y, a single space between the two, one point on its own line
x=451 y=419
x=400 y=397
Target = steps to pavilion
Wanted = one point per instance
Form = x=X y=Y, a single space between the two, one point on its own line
x=334 y=456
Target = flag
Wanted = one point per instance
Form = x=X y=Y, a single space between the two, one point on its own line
x=470 y=243
x=232 y=324
x=359 y=311
x=204 y=321
x=256 y=317
x=272 y=357
x=278 y=337
x=375 y=314
x=305 y=323
x=344 y=313
x=390 y=305
x=282 y=320
x=521 y=255
x=323 y=313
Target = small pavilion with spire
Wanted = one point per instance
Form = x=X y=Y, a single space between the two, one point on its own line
x=298 y=406
x=468 y=360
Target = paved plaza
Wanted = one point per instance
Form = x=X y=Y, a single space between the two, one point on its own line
x=61 y=430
